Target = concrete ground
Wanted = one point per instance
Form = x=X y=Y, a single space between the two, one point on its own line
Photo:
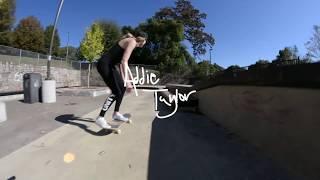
x=185 y=146
x=27 y=122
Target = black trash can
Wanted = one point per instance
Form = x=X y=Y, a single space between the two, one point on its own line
x=32 y=83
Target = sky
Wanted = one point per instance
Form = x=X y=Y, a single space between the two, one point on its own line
x=245 y=31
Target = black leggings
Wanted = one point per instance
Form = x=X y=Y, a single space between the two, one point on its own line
x=114 y=81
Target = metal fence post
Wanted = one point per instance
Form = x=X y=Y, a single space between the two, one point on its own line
x=38 y=59
x=20 y=56
x=80 y=74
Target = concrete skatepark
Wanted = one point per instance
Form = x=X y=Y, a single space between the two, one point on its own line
x=60 y=141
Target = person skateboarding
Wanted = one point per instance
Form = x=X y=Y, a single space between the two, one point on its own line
x=111 y=66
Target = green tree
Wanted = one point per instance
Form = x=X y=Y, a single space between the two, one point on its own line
x=72 y=52
x=92 y=45
x=260 y=64
x=7 y=18
x=6 y=38
x=192 y=20
x=111 y=33
x=204 y=69
x=313 y=45
x=47 y=40
x=235 y=68
x=79 y=56
x=216 y=68
x=188 y=58
x=163 y=47
x=288 y=53
x=29 y=35
x=262 y=61
x=127 y=29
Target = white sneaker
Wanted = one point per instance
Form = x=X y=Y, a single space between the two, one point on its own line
x=101 y=122
x=120 y=117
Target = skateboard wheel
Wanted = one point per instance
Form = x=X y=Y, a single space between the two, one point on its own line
x=129 y=121
x=118 y=131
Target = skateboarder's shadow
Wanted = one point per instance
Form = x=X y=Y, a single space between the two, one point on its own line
x=71 y=119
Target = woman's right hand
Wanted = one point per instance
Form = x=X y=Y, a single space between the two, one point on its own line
x=129 y=87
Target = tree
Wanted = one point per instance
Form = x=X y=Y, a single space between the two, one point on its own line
x=235 y=68
x=29 y=35
x=307 y=58
x=188 y=58
x=295 y=52
x=262 y=61
x=92 y=45
x=260 y=64
x=6 y=38
x=127 y=29
x=79 y=56
x=191 y=18
x=7 y=18
x=111 y=33
x=216 y=68
x=47 y=40
x=163 y=47
x=204 y=69
x=313 y=45
x=288 y=53
x=72 y=52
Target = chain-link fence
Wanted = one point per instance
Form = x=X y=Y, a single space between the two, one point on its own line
x=14 y=56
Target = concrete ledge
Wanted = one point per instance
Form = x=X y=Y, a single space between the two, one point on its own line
x=179 y=85
x=11 y=97
x=150 y=87
x=84 y=91
x=3 y=112
x=183 y=88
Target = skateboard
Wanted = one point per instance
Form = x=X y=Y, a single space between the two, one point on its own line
x=115 y=124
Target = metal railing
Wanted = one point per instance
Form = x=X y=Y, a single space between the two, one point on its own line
x=15 y=56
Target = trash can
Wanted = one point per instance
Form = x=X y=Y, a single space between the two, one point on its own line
x=32 y=87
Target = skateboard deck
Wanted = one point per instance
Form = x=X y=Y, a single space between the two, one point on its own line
x=115 y=124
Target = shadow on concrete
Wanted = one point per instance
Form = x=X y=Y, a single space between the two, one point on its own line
x=12 y=178
x=73 y=120
x=189 y=146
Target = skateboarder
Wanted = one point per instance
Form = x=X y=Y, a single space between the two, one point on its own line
x=111 y=67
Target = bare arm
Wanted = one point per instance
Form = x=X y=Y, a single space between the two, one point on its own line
x=126 y=55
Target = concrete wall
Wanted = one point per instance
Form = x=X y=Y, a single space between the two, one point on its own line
x=11 y=76
x=282 y=122
x=96 y=79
